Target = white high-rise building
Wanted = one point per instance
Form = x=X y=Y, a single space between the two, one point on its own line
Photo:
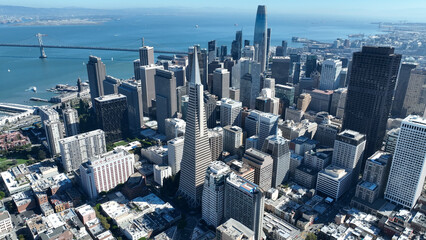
x=334 y=181
x=54 y=132
x=175 y=147
x=160 y=173
x=104 y=172
x=214 y=193
x=330 y=73
x=196 y=150
x=71 y=122
x=278 y=148
x=47 y=113
x=146 y=55
x=408 y=169
x=268 y=125
x=232 y=139
x=77 y=149
x=349 y=149
x=230 y=112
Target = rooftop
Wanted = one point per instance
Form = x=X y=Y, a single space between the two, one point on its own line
x=368 y=185
x=236 y=230
x=335 y=172
x=110 y=97
x=242 y=183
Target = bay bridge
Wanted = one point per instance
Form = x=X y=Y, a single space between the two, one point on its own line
x=43 y=54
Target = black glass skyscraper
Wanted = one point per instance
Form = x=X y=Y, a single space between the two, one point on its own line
x=311 y=65
x=372 y=82
x=237 y=44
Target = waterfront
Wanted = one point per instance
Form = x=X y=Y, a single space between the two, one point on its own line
x=163 y=32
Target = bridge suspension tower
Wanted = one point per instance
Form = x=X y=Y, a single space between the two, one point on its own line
x=40 y=42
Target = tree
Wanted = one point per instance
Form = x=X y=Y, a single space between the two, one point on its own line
x=311 y=236
x=21 y=237
x=41 y=155
x=14 y=162
x=2 y=195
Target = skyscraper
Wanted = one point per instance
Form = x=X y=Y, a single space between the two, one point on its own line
x=330 y=73
x=237 y=45
x=244 y=202
x=210 y=105
x=146 y=55
x=112 y=117
x=221 y=78
x=260 y=36
x=268 y=125
x=415 y=97
x=54 y=132
x=78 y=149
x=165 y=95
x=147 y=74
x=230 y=112
x=278 y=148
x=408 y=170
x=211 y=51
x=263 y=167
x=202 y=64
x=96 y=74
x=216 y=142
x=71 y=122
x=175 y=153
x=280 y=69
x=310 y=65
x=196 y=152
x=111 y=85
x=232 y=139
x=370 y=91
x=401 y=88
x=133 y=91
x=214 y=193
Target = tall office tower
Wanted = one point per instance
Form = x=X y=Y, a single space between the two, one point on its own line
x=278 y=148
x=244 y=202
x=310 y=65
x=112 y=117
x=348 y=152
x=214 y=65
x=211 y=51
x=250 y=84
x=146 y=56
x=230 y=112
x=408 y=170
x=104 y=172
x=47 y=113
x=111 y=85
x=214 y=193
x=136 y=69
x=321 y=99
x=338 y=100
x=268 y=125
x=133 y=91
x=330 y=73
x=286 y=95
x=234 y=93
x=375 y=177
x=232 y=229
x=263 y=167
x=216 y=143
x=267 y=104
x=185 y=101
x=221 y=78
x=246 y=89
x=237 y=45
x=223 y=52
x=391 y=139
x=210 y=104
x=415 y=97
x=370 y=91
x=260 y=36
x=248 y=52
x=180 y=92
x=77 y=149
x=246 y=43
x=401 y=88
x=284 y=45
x=232 y=139
x=175 y=127
x=279 y=51
x=54 y=132
x=175 y=153
x=228 y=64
x=165 y=95
x=327 y=132
x=202 y=64
x=269 y=83
x=196 y=152
x=268 y=45
x=303 y=101
x=296 y=72
x=148 y=87
x=252 y=142
x=180 y=74
x=71 y=122
x=251 y=125
x=280 y=69
x=96 y=74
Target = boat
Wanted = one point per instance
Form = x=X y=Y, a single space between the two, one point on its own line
x=112 y=59
x=34 y=89
x=8 y=70
x=196 y=26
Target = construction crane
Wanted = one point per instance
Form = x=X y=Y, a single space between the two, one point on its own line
x=40 y=42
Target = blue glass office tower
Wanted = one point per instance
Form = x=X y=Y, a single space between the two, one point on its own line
x=260 y=36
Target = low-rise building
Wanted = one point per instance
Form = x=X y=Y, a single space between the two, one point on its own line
x=232 y=229
x=156 y=154
x=276 y=228
x=5 y=222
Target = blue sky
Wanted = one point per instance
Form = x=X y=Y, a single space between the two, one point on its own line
x=409 y=10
